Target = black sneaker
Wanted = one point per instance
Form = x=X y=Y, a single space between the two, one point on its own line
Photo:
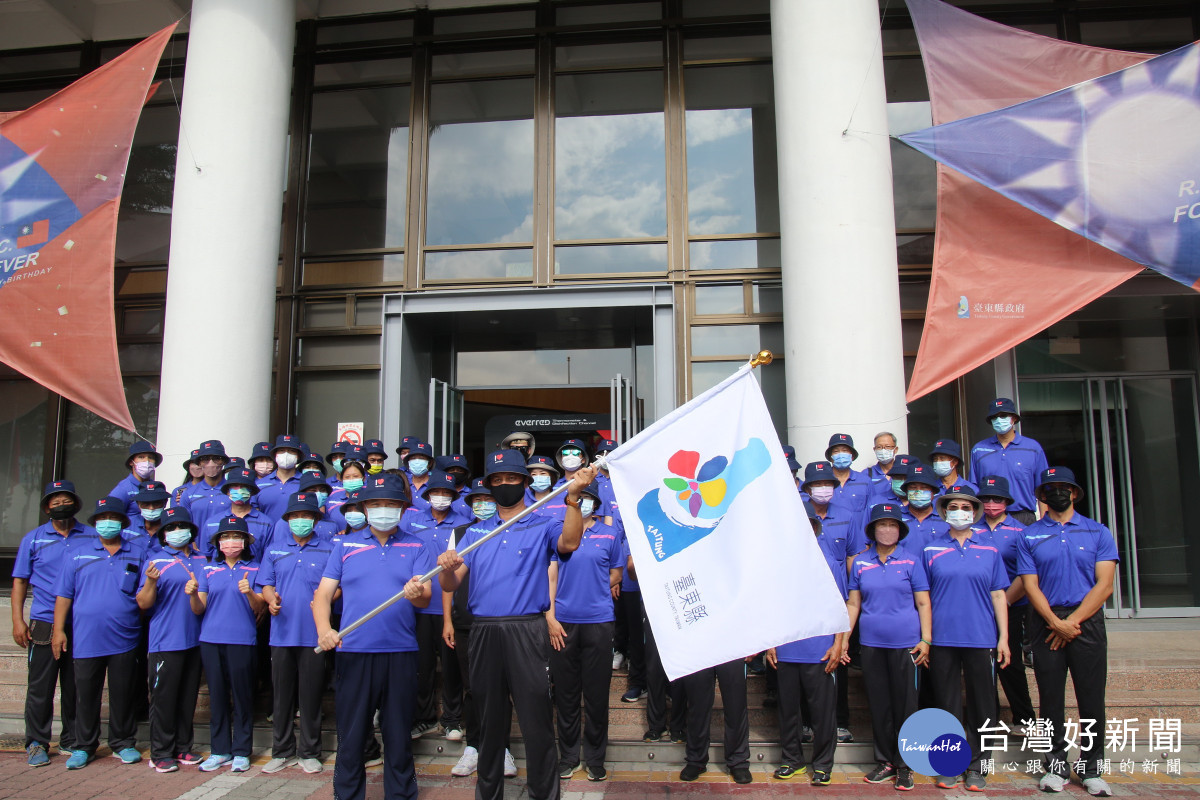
x=787 y=772
x=597 y=774
x=821 y=777
x=633 y=694
x=652 y=736
x=904 y=780
x=741 y=775
x=678 y=737
x=882 y=772
x=691 y=771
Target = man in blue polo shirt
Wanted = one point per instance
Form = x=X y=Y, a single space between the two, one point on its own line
x=97 y=591
x=946 y=460
x=141 y=463
x=377 y=663
x=40 y=558
x=509 y=595
x=206 y=500
x=879 y=474
x=275 y=489
x=1068 y=562
x=920 y=487
x=853 y=487
x=289 y=574
x=1013 y=456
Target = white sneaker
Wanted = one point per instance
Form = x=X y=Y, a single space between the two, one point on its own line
x=1097 y=787
x=618 y=660
x=277 y=765
x=454 y=735
x=468 y=762
x=311 y=765
x=510 y=766
x=1052 y=783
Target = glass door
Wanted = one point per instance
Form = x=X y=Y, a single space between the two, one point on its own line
x=623 y=409
x=445 y=418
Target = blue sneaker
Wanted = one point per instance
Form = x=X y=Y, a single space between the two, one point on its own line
x=38 y=757
x=240 y=764
x=79 y=759
x=128 y=755
x=215 y=762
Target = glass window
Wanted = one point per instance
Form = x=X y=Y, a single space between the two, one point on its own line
x=914 y=187
x=336 y=351
x=22 y=447
x=323 y=399
x=358 y=170
x=608 y=12
x=724 y=8
x=373 y=31
x=731 y=165
x=389 y=269
x=617 y=258
x=480 y=163
x=378 y=70
x=561 y=367
x=768 y=298
x=709 y=48
x=324 y=314
x=736 y=254
x=484 y=23
x=368 y=311
x=736 y=340
x=904 y=80
x=19 y=101
x=610 y=156
x=725 y=299
x=914 y=249
x=40 y=63
x=95 y=449
x=903 y=40
x=622 y=54
x=1128 y=33
x=452 y=65
x=142 y=321
x=471 y=264
x=144 y=357
x=144 y=221
x=132 y=282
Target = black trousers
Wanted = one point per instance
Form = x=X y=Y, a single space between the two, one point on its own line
x=470 y=715
x=629 y=608
x=174 y=685
x=297 y=674
x=122 y=708
x=231 y=670
x=658 y=689
x=700 y=695
x=431 y=647
x=509 y=661
x=1086 y=658
x=1012 y=677
x=950 y=667
x=819 y=688
x=43 y=674
x=364 y=683
x=890 y=678
x=583 y=668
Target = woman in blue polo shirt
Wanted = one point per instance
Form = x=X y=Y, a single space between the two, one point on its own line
x=889 y=600
x=967 y=582
x=581 y=621
x=173 y=590
x=227 y=644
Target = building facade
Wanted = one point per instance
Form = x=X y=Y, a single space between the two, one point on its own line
x=571 y=217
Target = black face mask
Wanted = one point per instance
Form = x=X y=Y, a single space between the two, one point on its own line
x=524 y=451
x=1058 y=499
x=508 y=494
x=60 y=513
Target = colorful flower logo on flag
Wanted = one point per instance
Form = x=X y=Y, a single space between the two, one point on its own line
x=697 y=489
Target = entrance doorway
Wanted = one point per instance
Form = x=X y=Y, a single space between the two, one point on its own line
x=1134 y=440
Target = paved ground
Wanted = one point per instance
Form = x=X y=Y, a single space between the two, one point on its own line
x=107 y=779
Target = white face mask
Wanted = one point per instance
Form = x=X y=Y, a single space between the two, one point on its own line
x=384 y=519
x=572 y=462
x=286 y=460
x=959 y=519
x=439 y=502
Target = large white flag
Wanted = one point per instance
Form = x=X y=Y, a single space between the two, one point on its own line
x=724 y=551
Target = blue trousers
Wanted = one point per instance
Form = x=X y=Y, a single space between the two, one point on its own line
x=230 y=669
x=364 y=683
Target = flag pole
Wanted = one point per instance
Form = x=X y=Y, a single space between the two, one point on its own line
x=433 y=573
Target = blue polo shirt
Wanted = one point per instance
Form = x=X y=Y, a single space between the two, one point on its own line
x=583 y=594
x=961 y=580
x=888 y=614
x=852 y=495
x=103 y=590
x=228 y=618
x=628 y=584
x=436 y=536
x=943 y=488
x=370 y=573
x=273 y=494
x=881 y=486
x=921 y=532
x=280 y=534
x=418 y=502
x=812 y=649
x=295 y=571
x=173 y=624
x=508 y=572
x=261 y=528
x=40 y=557
x=843 y=535
x=205 y=502
x=1021 y=462
x=126 y=489
x=1006 y=537
x=1064 y=556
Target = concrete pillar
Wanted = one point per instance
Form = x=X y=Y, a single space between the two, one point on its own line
x=218 y=340
x=844 y=358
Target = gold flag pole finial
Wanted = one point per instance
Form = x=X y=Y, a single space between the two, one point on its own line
x=761 y=357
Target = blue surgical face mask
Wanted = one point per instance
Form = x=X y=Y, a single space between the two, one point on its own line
x=540 y=483
x=337 y=464
x=352 y=485
x=151 y=514
x=178 y=538
x=239 y=494
x=920 y=498
x=301 y=528
x=483 y=509
x=842 y=460
x=355 y=519
x=109 y=528
x=586 y=506
x=1002 y=424
x=418 y=466
x=942 y=468
x=321 y=497
x=898 y=487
